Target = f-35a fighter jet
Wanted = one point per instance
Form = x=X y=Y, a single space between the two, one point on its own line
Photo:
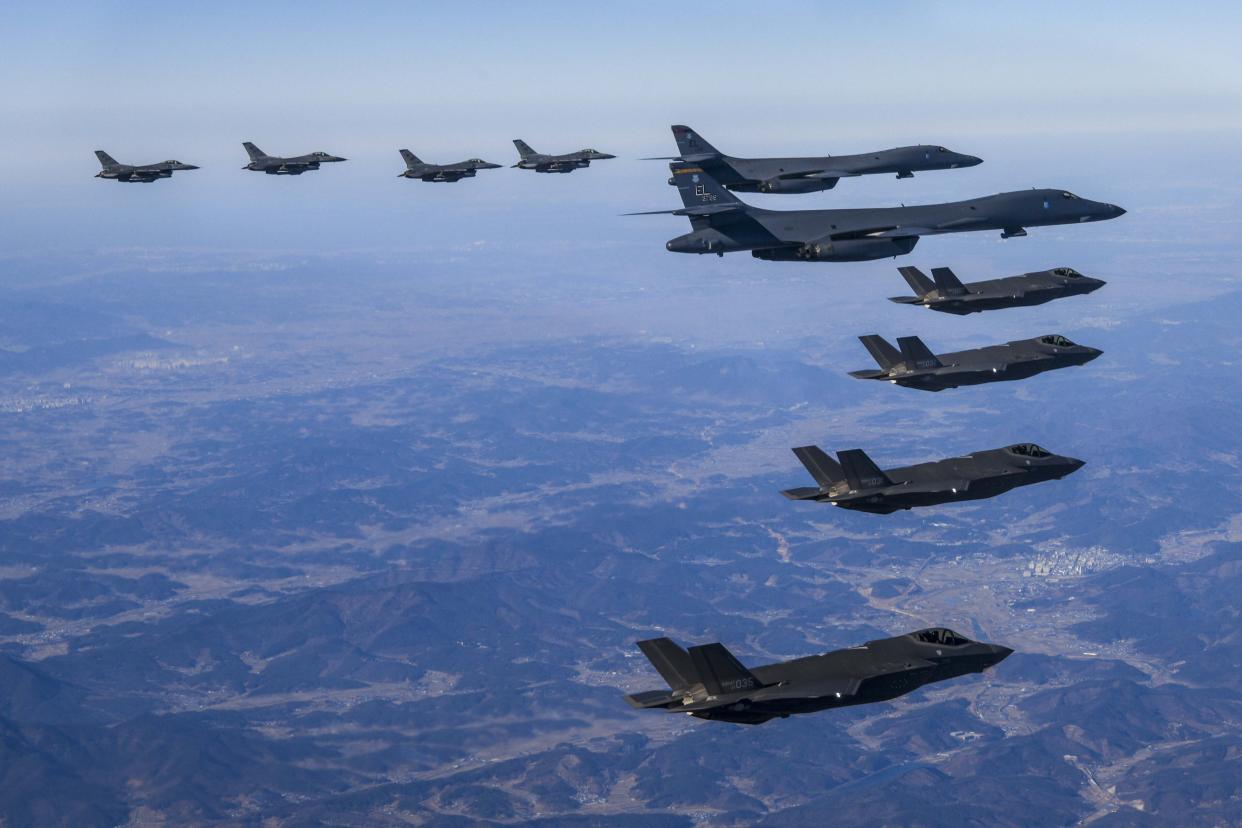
x=809 y=175
x=945 y=292
x=707 y=682
x=724 y=224
x=415 y=168
x=915 y=366
x=567 y=163
x=275 y=165
x=140 y=173
x=858 y=483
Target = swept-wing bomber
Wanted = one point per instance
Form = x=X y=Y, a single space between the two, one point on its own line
x=722 y=223
x=567 y=163
x=416 y=168
x=854 y=481
x=275 y=165
x=945 y=292
x=137 y=173
x=913 y=365
x=809 y=175
x=708 y=682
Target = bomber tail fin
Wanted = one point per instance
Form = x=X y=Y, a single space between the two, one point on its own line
x=916 y=354
x=885 y=355
x=254 y=152
x=720 y=671
x=105 y=160
x=411 y=160
x=861 y=472
x=672 y=662
x=823 y=468
x=523 y=148
x=918 y=282
x=692 y=145
x=698 y=189
x=947 y=281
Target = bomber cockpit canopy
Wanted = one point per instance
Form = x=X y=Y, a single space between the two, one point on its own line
x=1029 y=450
x=941 y=149
x=1067 y=272
x=942 y=636
x=1057 y=341
x=1070 y=196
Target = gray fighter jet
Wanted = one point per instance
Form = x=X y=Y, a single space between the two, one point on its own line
x=416 y=168
x=274 y=165
x=567 y=163
x=809 y=175
x=858 y=483
x=724 y=224
x=914 y=366
x=945 y=292
x=137 y=173
x=708 y=682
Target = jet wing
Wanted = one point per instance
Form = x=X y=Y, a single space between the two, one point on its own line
x=704 y=210
x=820 y=174
x=905 y=231
x=934 y=487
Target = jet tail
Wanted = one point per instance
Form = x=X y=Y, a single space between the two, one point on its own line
x=523 y=148
x=918 y=282
x=861 y=472
x=105 y=160
x=672 y=662
x=254 y=152
x=947 y=281
x=698 y=189
x=720 y=672
x=885 y=355
x=823 y=468
x=916 y=354
x=692 y=145
x=411 y=160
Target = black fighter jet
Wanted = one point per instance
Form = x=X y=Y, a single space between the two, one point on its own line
x=724 y=224
x=567 y=163
x=914 y=366
x=140 y=173
x=808 y=175
x=707 y=682
x=858 y=483
x=274 y=165
x=945 y=292
x=415 y=168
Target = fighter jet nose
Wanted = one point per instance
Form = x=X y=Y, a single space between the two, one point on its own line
x=1073 y=464
x=1093 y=353
x=1000 y=653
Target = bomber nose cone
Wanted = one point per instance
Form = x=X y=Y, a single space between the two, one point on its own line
x=971 y=161
x=1115 y=211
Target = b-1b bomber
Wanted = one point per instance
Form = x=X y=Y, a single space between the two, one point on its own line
x=808 y=175
x=722 y=223
x=854 y=481
x=912 y=364
x=708 y=682
x=945 y=292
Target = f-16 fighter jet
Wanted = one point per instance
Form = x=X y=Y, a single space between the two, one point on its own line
x=858 y=483
x=809 y=175
x=914 y=366
x=415 y=168
x=274 y=165
x=140 y=173
x=945 y=292
x=567 y=163
x=724 y=224
x=707 y=682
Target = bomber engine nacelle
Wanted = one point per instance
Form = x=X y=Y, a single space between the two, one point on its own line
x=796 y=185
x=706 y=240
x=842 y=250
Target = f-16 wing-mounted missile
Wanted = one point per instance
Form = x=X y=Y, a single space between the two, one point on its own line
x=945 y=292
x=275 y=165
x=913 y=365
x=567 y=163
x=708 y=682
x=416 y=168
x=854 y=481
x=137 y=173
x=808 y=175
x=722 y=223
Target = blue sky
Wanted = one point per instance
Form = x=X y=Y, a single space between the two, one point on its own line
x=148 y=81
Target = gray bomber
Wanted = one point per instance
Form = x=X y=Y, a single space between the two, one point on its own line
x=856 y=482
x=913 y=365
x=722 y=223
x=708 y=682
x=137 y=173
x=275 y=165
x=809 y=175
x=945 y=292
x=417 y=168
x=567 y=163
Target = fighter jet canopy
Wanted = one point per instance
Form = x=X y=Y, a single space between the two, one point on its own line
x=1067 y=272
x=942 y=636
x=1057 y=341
x=1029 y=450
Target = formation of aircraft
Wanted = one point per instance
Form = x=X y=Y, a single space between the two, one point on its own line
x=708 y=682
